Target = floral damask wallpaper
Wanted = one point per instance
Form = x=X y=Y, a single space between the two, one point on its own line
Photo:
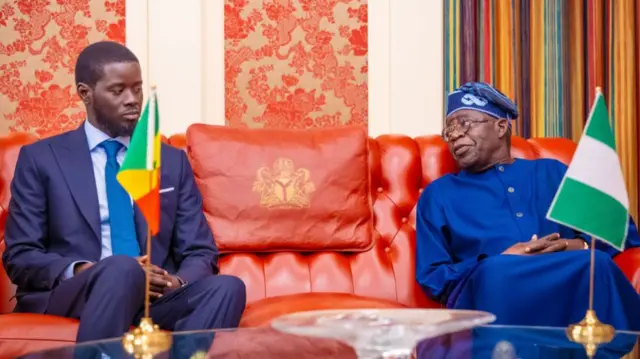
x=39 y=43
x=296 y=63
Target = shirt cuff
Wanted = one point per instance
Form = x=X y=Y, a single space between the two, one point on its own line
x=68 y=273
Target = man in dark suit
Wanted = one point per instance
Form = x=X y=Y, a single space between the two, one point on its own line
x=74 y=236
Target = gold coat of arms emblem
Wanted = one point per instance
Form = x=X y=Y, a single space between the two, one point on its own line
x=283 y=186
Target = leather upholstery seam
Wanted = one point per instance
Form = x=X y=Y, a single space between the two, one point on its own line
x=395 y=279
x=310 y=279
x=264 y=277
x=393 y=270
x=353 y=278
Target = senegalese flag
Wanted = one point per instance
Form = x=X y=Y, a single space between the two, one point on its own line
x=592 y=197
x=140 y=171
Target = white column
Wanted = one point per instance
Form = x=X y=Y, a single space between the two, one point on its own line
x=379 y=61
x=417 y=90
x=136 y=35
x=213 y=69
x=171 y=53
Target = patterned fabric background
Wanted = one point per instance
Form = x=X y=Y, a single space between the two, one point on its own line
x=39 y=43
x=296 y=64
x=550 y=55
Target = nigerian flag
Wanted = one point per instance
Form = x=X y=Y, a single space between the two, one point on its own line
x=140 y=170
x=592 y=197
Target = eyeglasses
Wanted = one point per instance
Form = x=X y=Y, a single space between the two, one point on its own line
x=462 y=126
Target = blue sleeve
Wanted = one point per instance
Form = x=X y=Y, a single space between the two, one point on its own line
x=26 y=259
x=633 y=239
x=436 y=271
x=192 y=238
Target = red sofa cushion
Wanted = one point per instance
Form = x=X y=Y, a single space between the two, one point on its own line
x=24 y=333
x=274 y=190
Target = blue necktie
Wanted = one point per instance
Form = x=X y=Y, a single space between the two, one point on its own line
x=121 y=218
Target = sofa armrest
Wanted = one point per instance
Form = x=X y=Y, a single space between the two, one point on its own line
x=629 y=263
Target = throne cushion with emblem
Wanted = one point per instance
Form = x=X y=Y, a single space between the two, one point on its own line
x=274 y=190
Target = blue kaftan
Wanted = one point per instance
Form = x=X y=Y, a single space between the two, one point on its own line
x=465 y=221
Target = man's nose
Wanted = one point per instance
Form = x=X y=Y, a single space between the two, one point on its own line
x=131 y=99
x=454 y=134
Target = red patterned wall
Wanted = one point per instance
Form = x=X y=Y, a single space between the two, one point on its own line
x=296 y=63
x=39 y=43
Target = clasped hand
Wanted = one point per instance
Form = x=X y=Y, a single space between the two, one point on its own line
x=547 y=244
x=159 y=279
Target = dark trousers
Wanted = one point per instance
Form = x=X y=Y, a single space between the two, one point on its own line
x=109 y=297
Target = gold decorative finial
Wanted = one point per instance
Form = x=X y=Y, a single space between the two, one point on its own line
x=153 y=87
x=598 y=89
x=199 y=355
x=146 y=341
x=591 y=333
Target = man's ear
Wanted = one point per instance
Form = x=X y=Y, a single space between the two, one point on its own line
x=503 y=127
x=85 y=92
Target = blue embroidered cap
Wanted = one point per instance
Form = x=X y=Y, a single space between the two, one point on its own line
x=480 y=96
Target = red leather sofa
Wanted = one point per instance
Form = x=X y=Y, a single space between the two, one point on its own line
x=280 y=282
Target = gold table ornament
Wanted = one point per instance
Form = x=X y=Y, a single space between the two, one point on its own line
x=146 y=340
x=590 y=331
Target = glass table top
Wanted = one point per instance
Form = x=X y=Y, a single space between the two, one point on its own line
x=487 y=341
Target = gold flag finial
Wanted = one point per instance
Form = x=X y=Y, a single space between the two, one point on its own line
x=591 y=333
x=146 y=340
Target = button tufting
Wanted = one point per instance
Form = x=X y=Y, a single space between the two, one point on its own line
x=511 y=189
x=404 y=220
x=387 y=249
x=519 y=215
x=380 y=189
x=500 y=168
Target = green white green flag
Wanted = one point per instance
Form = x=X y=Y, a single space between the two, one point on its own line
x=592 y=197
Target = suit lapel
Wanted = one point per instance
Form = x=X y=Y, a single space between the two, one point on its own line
x=74 y=158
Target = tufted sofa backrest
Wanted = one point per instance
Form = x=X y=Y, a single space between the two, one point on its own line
x=400 y=167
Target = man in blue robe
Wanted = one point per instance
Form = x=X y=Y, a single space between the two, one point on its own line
x=483 y=240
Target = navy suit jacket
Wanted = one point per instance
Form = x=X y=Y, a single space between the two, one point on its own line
x=54 y=219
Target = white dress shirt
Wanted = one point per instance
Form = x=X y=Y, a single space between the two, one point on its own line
x=99 y=159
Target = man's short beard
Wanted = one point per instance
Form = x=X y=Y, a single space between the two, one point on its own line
x=112 y=128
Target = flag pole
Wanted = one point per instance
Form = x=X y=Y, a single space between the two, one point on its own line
x=147 y=266
x=147 y=339
x=590 y=331
x=592 y=272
